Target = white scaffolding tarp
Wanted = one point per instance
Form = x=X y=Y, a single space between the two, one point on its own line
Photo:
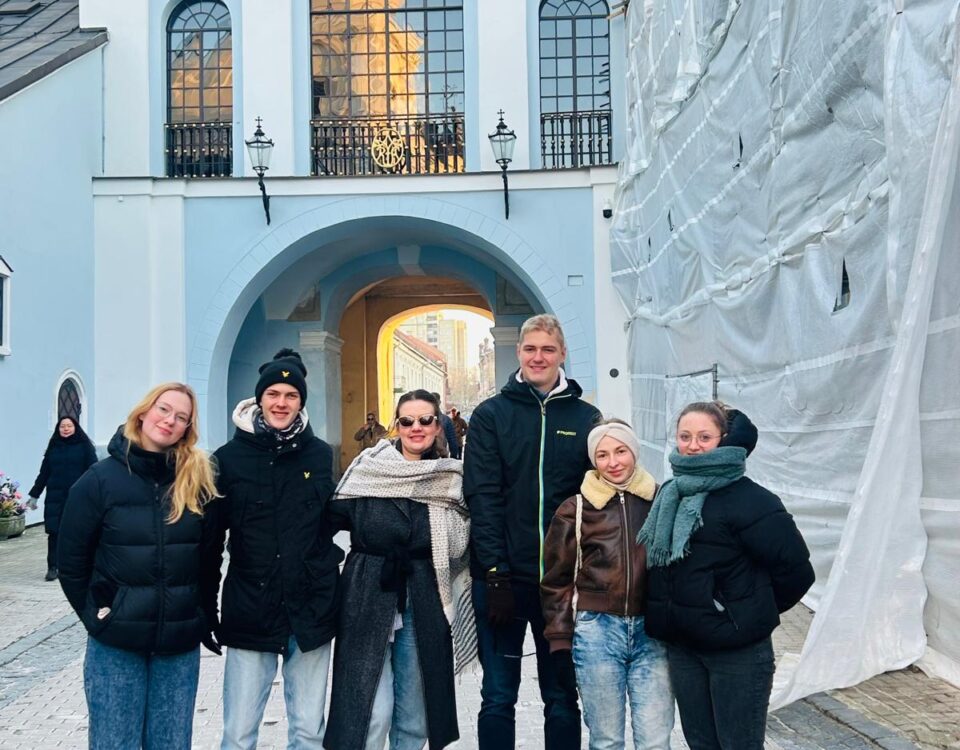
x=788 y=210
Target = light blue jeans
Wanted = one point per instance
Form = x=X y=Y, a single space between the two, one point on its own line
x=399 y=707
x=139 y=700
x=616 y=661
x=247 y=679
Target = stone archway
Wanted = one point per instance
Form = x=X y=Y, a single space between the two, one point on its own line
x=366 y=363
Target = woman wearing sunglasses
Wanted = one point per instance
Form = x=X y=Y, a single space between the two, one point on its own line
x=725 y=560
x=130 y=550
x=406 y=618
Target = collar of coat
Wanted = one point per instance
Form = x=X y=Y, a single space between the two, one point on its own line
x=598 y=491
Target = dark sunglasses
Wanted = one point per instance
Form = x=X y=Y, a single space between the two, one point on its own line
x=425 y=420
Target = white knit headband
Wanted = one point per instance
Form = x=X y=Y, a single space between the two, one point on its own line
x=617 y=431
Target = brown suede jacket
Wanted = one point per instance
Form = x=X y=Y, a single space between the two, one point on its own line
x=613 y=571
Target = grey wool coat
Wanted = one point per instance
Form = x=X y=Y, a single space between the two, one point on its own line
x=367 y=616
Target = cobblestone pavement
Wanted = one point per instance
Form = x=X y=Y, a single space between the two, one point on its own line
x=42 y=704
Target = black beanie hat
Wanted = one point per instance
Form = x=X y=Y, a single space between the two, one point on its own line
x=285 y=367
x=741 y=432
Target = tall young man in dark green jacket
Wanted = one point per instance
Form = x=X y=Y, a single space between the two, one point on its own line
x=528 y=453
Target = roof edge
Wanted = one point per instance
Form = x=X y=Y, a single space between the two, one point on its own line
x=42 y=71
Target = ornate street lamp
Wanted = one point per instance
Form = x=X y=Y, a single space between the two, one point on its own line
x=502 y=141
x=260 y=148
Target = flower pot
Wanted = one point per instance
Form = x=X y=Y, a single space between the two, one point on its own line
x=11 y=526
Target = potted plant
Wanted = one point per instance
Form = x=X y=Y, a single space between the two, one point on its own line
x=13 y=519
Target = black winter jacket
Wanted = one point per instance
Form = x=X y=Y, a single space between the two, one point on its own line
x=283 y=576
x=526 y=456
x=747 y=564
x=63 y=464
x=117 y=550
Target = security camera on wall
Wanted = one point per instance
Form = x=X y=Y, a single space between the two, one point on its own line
x=607 y=209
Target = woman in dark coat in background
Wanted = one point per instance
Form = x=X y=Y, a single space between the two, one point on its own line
x=69 y=454
x=406 y=621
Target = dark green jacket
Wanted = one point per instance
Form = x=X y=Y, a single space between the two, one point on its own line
x=525 y=457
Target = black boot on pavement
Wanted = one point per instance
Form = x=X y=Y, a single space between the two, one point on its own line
x=51 y=574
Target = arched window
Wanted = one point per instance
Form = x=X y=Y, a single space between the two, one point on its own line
x=575 y=116
x=69 y=400
x=387 y=86
x=199 y=91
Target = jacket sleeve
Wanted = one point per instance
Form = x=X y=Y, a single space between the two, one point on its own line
x=79 y=536
x=42 y=478
x=91 y=456
x=213 y=536
x=556 y=587
x=772 y=540
x=358 y=435
x=483 y=491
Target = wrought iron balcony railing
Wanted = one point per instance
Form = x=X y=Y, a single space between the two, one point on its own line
x=396 y=145
x=576 y=139
x=199 y=149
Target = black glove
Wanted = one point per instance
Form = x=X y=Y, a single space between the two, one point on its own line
x=499 y=598
x=563 y=666
x=209 y=642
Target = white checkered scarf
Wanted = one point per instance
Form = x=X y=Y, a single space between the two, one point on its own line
x=383 y=472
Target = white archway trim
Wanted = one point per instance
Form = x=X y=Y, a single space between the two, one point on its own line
x=514 y=247
x=81 y=389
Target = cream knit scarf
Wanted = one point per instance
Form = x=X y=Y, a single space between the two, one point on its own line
x=383 y=472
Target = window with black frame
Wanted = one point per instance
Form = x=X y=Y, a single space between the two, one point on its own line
x=68 y=400
x=575 y=113
x=199 y=129
x=387 y=86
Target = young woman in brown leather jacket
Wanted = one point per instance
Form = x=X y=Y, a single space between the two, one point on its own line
x=593 y=596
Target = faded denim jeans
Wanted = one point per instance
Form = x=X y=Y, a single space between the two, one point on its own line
x=247 y=679
x=723 y=695
x=617 y=662
x=139 y=700
x=399 y=707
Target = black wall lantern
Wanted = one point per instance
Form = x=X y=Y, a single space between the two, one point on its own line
x=502 y=141
x=260 y=148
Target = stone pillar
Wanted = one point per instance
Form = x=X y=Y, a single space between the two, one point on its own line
x=505 y=340
x=321 y=354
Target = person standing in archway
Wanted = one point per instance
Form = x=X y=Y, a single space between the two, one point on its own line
x=461 y=427
x=370 y=433
x=281 y=593
x=528 y=453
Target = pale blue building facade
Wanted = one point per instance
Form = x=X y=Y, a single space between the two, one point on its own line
x=126 y=272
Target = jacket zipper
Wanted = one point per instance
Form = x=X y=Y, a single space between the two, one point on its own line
x=158 y=508
x=626 y=553
x=543 y=436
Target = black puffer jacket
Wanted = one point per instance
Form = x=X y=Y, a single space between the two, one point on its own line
x=117 y=550
x=526 y=456
x=747 y=564
x=283 y=576
x=63 y=464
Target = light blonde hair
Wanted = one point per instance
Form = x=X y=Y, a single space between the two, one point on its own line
x=194 y=483
x=545 y=322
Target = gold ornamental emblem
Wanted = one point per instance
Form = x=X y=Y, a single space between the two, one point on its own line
x=387 y=148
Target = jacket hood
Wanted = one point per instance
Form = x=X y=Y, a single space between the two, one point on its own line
x=159 y=467
x=516 y=387
x=741 y=432
x=246 y=412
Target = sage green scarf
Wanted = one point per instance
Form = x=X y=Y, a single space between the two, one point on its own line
x=675 y=514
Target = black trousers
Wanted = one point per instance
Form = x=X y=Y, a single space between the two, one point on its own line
x=52 y=549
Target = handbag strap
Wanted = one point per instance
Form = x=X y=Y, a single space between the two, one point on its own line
x=577 y=564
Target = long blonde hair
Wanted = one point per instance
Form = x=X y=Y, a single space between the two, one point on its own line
x=194 y=483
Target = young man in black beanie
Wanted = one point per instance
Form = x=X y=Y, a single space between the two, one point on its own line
x=280 y=595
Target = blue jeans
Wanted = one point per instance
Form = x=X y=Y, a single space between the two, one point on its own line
x=616 y=661
x=139 y=700
x=500 y=650
x=723 y=695
x=399 y=706
x=247 y=679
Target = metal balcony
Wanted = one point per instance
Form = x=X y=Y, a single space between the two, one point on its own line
x=396 y=145
x=199 y=149
x=576 y=139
